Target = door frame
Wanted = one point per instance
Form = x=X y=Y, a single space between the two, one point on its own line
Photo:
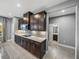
x=52 y=32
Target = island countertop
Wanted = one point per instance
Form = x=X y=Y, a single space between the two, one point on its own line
x=34 y=38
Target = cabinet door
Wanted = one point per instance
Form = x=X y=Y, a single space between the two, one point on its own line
x=35 y=48
x=38 y=21
x=34 y=23
x=18 y=39
x=23 y=21
x=42 y=22
x=20 y=21
x=23 y=43
x=28 y=45
x=32 y=45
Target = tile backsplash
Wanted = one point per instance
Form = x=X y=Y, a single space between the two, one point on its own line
x=33 y=33
x=39 y=33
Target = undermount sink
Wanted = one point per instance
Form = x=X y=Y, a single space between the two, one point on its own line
x=26 y=35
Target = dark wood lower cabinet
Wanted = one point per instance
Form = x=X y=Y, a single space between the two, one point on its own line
x=36 y=48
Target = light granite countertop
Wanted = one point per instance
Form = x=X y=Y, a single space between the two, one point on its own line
x=34 y=38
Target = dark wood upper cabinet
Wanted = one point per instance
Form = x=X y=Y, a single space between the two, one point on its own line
x=25 y=20
x=38 y=21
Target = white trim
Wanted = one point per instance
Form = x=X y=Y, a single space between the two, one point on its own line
x=67 y=46
x=47 y=31
x=76 y=33
x=56 y=33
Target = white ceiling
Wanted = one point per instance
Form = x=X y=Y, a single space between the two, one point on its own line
x=65 y=11
x=9 y=8
x=69 y=7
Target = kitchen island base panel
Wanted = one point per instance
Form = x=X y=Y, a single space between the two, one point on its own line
x=38 y=49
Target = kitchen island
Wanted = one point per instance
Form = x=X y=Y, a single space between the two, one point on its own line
x=33 y=44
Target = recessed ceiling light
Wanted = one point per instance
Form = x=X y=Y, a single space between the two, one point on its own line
x=18 y=5
x=63 y=11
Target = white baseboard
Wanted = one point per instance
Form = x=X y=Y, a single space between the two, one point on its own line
x=67 y=46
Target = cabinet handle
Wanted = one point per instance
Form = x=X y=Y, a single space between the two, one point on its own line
x=33 y=45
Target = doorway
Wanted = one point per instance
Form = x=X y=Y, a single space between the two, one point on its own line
x=1 y=30
x=62 y=31
x=54 y=32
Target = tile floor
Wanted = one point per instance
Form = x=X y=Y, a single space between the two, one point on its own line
x=14 y=51
x=58 y=52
